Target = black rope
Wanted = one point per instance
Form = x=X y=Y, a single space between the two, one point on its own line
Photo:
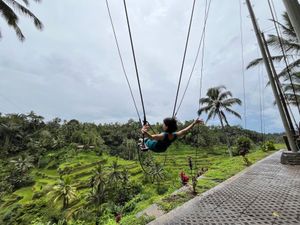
x=183 y=60
x=135 y=64
x=284 y=55
x=122 y=62
x=201 y=44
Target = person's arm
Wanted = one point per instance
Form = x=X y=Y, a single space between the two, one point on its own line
x=157 y=137
x=188 y=128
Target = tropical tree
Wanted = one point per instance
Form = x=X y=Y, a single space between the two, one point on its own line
x=217 y=102
x=9 y=10
x=9 y=133
x=64 y=191
x=115 y=175
x=23 y=163
x=157 y=173
x=291 y=48
x=35 y=122
x=98 y=183
x=130 y=148
x=289 y=89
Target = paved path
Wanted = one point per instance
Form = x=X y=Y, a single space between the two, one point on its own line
x=265 y=193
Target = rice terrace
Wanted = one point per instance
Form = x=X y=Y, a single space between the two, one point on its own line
x=149 y=112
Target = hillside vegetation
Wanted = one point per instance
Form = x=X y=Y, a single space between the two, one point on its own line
x=81 y=173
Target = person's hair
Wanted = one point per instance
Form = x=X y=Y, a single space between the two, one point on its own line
x=171 y=123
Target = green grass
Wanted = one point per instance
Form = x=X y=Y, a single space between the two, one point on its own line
x=26 y=193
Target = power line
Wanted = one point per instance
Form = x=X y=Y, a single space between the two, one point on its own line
x=12 y=103
x=243 y=64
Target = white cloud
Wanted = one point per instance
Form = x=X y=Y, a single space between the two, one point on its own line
x=72 y=69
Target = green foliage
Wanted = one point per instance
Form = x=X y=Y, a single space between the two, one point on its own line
x=171 y=202
x=120 y=187
x=161 y=189
x=143 y=220
x=243 y=146
x=63 y=191
x=243 y=142
x=268 y=146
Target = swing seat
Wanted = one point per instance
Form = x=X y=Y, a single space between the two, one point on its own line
x=143 y=148
x=142 y=145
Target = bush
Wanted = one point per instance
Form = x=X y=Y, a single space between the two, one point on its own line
x=130 y=206
x=243 y=146
x=136 y=221
x=161 y=189
x=43 y=162
x=268 y=146
x=53 y=165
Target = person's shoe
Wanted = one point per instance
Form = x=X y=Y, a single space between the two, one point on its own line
x=143 y=148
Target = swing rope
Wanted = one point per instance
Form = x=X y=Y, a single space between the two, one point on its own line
x=136 y=68
x=135 y=65
x=197 y=55
x=184 y=55
x=122 y=62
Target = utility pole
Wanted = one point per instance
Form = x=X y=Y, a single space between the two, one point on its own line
x=293 y=10
x=289 y=134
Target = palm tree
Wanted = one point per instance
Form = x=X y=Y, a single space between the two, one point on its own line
x=217 y=102
x=157 y=173
x=64 y=191
x=291 y=48
x=130 y=148
x=23 y=163
x=115 y=175
x=8 y=9
x=98 y=183
x=9 y=133
x=288 y=89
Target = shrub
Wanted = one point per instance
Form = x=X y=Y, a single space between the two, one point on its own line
x=243 y=145
x=43 y=162
x=130 y=206
x=161 y=189
x=268 y=146
x=136 y=221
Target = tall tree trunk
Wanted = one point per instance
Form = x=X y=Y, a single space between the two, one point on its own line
x=227 y=139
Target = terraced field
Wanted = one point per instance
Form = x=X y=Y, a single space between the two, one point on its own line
x=80 y=168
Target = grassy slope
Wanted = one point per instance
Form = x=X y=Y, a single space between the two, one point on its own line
x=220 y=166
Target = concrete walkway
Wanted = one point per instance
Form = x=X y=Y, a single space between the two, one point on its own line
x=265 y=193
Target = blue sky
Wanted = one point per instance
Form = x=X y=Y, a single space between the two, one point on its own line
x=71 y=69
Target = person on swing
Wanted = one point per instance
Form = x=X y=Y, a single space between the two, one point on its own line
x=161 y=142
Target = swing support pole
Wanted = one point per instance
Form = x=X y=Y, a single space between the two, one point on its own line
x=267 y=63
